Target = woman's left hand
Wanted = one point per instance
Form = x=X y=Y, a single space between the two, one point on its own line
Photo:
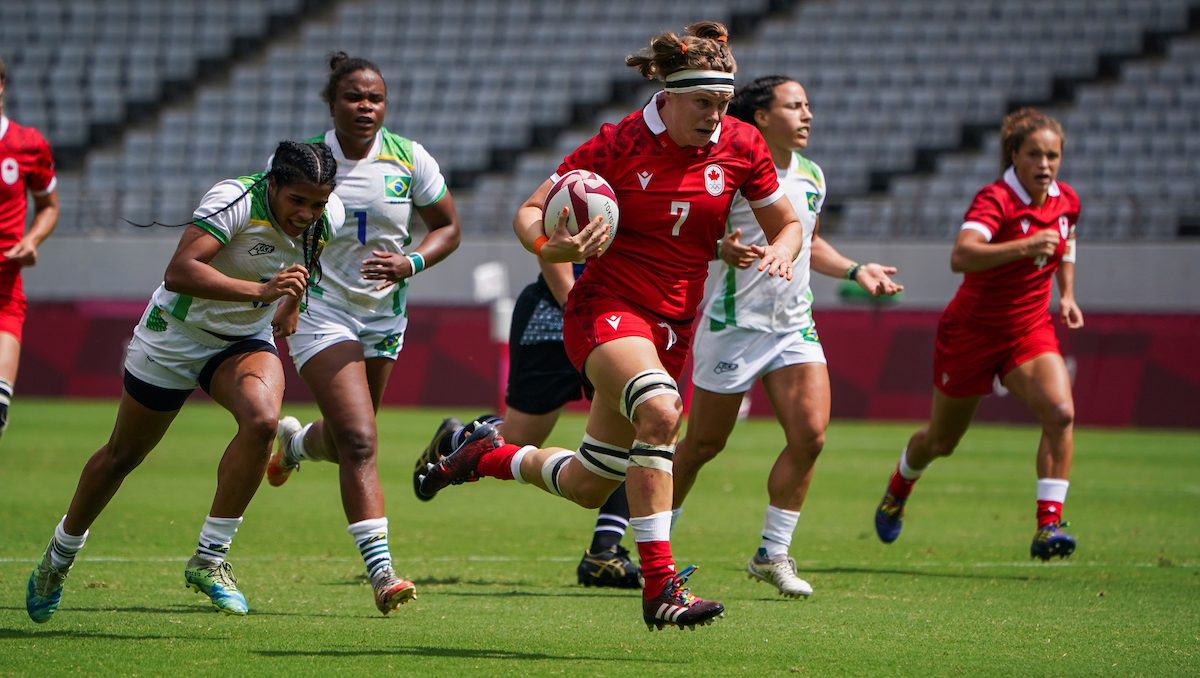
x=390 y=267
x=1070 y=314
x=774 y=260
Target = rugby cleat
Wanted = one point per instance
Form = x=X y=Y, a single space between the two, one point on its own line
x=216 y=580
x=610 y=568
x=1051 y=541
x=779 y=572
x=676 y=606
x=279 y=468
x=889 y=518
x=459 y=466
x=392 y=592
x=45 y=588
x=432 y=453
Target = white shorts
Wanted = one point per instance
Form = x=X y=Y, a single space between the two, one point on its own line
x=323 y=324
x=729 y=360
x=173 y=354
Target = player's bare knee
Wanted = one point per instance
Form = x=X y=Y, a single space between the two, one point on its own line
x=1058 y=417
x=700 y=450
x=941 y=447
x=356 y=444
x=258 y=426
x=117 y=459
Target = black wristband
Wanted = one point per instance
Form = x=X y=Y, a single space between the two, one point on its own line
x=852 y=272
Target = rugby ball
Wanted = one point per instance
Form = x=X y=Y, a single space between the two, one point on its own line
x=586 y=195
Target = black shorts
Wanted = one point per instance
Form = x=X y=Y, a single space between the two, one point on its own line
x=540 y=377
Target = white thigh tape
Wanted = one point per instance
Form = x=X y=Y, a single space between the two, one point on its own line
x=658 y=457
x=552 y=467
x=644 y=386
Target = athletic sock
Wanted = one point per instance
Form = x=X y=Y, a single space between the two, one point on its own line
x=1051 y=495
x=498 y=462
x=294 y=451
x=371 y=538
x=215 y=538
x=904 y=477
x=6 y=392
x=675 y=513
x=64 y=547
x=778 y=526
x=653 y=536
x=611 y=522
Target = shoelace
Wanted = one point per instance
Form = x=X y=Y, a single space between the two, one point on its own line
x=678 y=587
x=223 y=574
x=890 y=505
x=48 y=578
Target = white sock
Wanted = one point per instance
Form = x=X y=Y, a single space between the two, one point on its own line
x=1052 y=489
x=216 y=537
x=516 y=463
x=371 y=538
x=675 y=513
x=907 y=472
x=778 y=526
x=295 y=446
x=64 y=546
x=654 y=527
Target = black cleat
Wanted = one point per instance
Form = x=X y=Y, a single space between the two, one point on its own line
x=458 y=467
x=610 y=568
x=433 y=452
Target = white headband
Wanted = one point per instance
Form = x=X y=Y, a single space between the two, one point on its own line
x=682 y=82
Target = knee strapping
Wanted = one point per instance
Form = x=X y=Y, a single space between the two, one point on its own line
x=603 y=459
x=644 y=386
x=552 y=467
x=657 y=457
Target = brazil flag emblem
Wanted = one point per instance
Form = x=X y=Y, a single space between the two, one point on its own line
x=396 y=186
x=812 y=202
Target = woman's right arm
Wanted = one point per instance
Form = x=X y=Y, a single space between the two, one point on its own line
x=189 y=273
x=973 y=253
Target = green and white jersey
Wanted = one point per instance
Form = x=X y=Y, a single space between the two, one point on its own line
x=379 y=193
x=253 y=247
x=751 y=299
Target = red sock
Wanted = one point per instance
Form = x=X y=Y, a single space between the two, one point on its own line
x=1048 y=512
x=498 y=462
x=657 y=566
x=899 y=486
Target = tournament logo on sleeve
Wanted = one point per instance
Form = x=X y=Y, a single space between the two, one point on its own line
x=396 y=187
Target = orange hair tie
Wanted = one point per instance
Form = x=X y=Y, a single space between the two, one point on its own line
x=682 y=47
x=722 y=39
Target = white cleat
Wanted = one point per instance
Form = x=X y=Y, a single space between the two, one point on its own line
x=279 y=467
x=780 y=572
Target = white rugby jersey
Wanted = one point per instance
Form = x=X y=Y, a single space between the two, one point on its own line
x=379 y=193
x=750 y=298
x=254 y=248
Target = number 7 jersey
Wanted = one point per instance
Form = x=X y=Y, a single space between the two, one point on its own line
x=674 y=201
x=379 y=193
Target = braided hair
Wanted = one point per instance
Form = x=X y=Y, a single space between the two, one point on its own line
x=293 y=162
x=756 y=96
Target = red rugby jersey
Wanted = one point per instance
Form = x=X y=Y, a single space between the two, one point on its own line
x=1015 y=296
x=674 y=201
x=25 y=164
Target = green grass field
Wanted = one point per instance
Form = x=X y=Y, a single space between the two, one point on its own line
x=494 y=564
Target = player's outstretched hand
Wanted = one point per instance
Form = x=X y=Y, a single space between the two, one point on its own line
x=774 y=260
x=563 y=247
x=736 y=253
x=290 y=282
x=874 y=278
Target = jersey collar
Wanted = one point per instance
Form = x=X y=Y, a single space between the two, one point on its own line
x=331 y=140
x=1010 y=178
x=655 y=122
x=3 y=125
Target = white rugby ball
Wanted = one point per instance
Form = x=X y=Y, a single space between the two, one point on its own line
x=586 y=195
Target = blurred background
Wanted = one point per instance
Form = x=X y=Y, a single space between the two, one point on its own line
x=147 y=104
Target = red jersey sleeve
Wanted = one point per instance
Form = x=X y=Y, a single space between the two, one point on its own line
x=41 y=173
x=593 y=155
x=986 y=210
x=762 y=182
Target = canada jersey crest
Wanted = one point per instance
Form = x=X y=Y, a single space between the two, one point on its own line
x=714 y=180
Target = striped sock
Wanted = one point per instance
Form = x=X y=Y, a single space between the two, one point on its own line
x=64 y=547
x=371 y=538
x=611 y=522
x=6 y=392
x=216 y=537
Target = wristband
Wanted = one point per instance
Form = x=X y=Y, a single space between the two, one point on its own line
x=537 y=244
x=417 y=261
x=852 y=272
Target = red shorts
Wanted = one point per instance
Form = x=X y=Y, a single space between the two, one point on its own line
x=593 y=317
x=966 y=359
x=12 y=301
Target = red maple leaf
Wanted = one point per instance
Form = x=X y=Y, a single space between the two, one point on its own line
x=714 y=175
